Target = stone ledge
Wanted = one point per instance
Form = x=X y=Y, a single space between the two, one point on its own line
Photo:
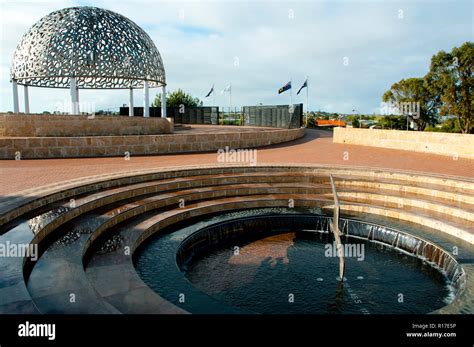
x=35 y=125
x=453 y=145
x=48 y=194
x=137 y=145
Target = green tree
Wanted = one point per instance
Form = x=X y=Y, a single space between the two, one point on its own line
x=393 y=122
x=355 y=123
x=354 y=119
x=311 y=121
x=178 y=98
x=324 y=117
x=450 y=125
x=415 y=90
x=451 y=75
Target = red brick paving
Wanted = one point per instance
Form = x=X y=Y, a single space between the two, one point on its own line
x=315 y=148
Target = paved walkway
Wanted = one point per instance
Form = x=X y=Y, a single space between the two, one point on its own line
x=315 y=148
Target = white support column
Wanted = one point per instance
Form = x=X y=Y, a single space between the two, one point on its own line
x=146 y=101
x=130 y=103
x=163 y=102
x=27 y=99
x=78 y=109
x=16 y=106
x=74 y=96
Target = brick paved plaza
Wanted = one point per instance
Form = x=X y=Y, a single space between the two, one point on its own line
x=315 y=148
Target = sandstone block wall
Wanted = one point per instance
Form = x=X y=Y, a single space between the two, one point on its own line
x=31 y=125
x=454 y=145
x=100 y=146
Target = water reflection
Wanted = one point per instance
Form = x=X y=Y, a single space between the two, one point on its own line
x=39 y=222
x=264 y=273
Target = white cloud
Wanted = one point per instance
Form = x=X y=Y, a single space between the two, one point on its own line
x=200 y=48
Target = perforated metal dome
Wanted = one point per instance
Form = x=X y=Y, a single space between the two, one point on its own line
x=102 y=49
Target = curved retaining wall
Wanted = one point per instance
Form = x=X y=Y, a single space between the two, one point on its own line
x=45 y=125
x=257 y=227
x=453 y=145
x=99 y=146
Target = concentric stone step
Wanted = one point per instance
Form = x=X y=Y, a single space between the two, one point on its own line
x=464 y=198
x=59 y=273
x=406 y=203
x=87 y=222
x=103 y=268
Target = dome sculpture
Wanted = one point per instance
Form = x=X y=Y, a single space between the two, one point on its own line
x=87 y=48
x=102 y=49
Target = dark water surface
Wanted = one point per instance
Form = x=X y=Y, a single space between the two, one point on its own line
x=266 y=274
x=291 y=273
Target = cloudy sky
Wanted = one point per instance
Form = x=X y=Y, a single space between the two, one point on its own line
x=352 y=51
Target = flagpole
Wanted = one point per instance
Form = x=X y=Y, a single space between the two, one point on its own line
x=307 y=103
x=213 y=95
x=291 y=94
x=230 y=95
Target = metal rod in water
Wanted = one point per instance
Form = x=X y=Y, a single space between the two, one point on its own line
x=335 y=230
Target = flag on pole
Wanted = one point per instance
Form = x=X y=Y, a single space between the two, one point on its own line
x=226 y=89
x=210 y=92
x=305 y=85
x=284 y=88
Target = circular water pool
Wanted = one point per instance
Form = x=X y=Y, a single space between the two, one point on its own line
x=296 y=272
x=287 y=264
